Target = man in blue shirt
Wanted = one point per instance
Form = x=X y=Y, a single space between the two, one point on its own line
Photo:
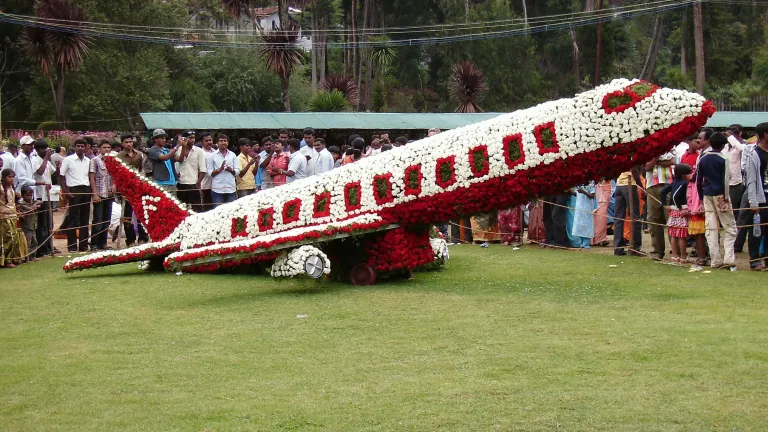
x=162 y=161
x=224 y=168
x=712 y=181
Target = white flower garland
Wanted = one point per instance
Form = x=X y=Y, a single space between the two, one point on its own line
x=440 y=249
x=291 y=263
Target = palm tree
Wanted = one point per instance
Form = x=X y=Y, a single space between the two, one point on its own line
x=344 y=84
x=282 y=56
x=467 y=85
x=57 y=53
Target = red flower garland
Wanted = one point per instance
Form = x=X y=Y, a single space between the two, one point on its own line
x=239 y=227
x=514 y=154
x=291 y=211
x=546 y=138
x=266 y=220
x=412 y=175
x=382 y=189
x=353 y=195
x=399 y=249
x=322 y=207
x=445 y=171
x=221 y=265
x=479 y=156
x=134 y=189
x=627 y=98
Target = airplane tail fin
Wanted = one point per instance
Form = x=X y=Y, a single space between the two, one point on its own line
x=158 y=210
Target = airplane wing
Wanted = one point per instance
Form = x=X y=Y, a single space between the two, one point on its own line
x=143 y=252
x=269 y=247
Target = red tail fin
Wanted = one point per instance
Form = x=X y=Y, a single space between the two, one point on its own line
x=159 y=211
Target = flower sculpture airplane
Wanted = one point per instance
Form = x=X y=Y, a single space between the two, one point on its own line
x=486 y=166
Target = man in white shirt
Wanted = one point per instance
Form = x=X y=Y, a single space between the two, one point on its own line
x=192 y=170
x=324 y=162
x=308 y=150
x=75 y=184
x=9 y=159
x=298 y=163
x=44 y=170
x=207 y=145
x=224 y=168
x=25 y=172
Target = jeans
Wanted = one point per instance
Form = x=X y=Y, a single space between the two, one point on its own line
x=44 y=231
x=189 y=195
x=245 y=192
x=221 y=198
x=77 y=218
x=622 y=197
x=554 y=220
x=712 y=217
x=102 y=215
x=130 y=232
x=657 y=215
x=756 y=242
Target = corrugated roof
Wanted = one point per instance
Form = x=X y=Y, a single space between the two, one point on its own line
x=347 y=121
x=366 y=121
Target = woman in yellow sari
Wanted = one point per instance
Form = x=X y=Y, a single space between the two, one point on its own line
x=10 y=236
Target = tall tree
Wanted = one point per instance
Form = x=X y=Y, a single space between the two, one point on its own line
x=649 y=67
x=57 y=53
x=698 y=40
x=467 y=85
x=684 y=43
x=282 y=56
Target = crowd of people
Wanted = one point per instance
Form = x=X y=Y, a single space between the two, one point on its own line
x=707 y=195
x=201 y=172
x=712 y=185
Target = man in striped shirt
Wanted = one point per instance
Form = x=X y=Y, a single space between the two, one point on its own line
x=658 y=173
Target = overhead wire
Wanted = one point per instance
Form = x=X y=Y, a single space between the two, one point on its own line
x=603 y=16
x=369 y=31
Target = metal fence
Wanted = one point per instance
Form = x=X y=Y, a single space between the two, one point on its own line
x=756 y=104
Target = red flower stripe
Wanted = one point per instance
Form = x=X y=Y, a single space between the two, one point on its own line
x=141 y=253
x=399 y=249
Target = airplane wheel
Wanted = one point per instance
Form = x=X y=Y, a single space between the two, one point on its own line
x=362 y=275
x=314 y=266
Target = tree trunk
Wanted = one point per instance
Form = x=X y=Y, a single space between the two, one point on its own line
x=59 y=99
x=347 y=50
x=684 y=44
x=323 y=47
x=589 y=6
x=285 y=81
x=281 y=13
x=361 y=101
x=314 y=47
x=525 y=14
x=599 y=45
x=576 y=57
x=698 y=39
x=649 y=67
x=466 y=10
x=355 y=48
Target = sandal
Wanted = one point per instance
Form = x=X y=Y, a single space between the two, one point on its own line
x=701 y=262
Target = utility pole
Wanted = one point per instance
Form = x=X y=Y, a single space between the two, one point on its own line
x=599 y=42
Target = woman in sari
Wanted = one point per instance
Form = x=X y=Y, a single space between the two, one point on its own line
x=484 y=228
x=536 y=222
x=511 y=225
x=603 y=193
x=10 y=241
x=583 y=222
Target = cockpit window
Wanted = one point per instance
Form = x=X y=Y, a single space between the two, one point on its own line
x=622 y=100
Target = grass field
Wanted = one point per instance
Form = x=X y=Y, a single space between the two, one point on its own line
x=498 y=340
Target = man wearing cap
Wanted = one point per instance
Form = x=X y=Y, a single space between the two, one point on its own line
x=192 y=169
x=161 y=159
x=25 y=171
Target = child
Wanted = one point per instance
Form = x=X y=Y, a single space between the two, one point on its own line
x=9 y=233
x=28 y=214
x=677 y=223
x=583 y=219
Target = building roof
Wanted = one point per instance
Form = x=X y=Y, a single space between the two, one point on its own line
x=267 y=11
x=365 y=121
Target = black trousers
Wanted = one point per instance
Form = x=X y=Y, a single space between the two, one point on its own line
x=622 y=195
x=77 y=218
x=43 y=232
x=207 y=200
x=737 y=193
x=102 y=215
x=554 y=220
x=130 y=233
x=189 y=195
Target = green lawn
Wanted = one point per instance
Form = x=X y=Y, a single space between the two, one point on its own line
x=498 y=340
